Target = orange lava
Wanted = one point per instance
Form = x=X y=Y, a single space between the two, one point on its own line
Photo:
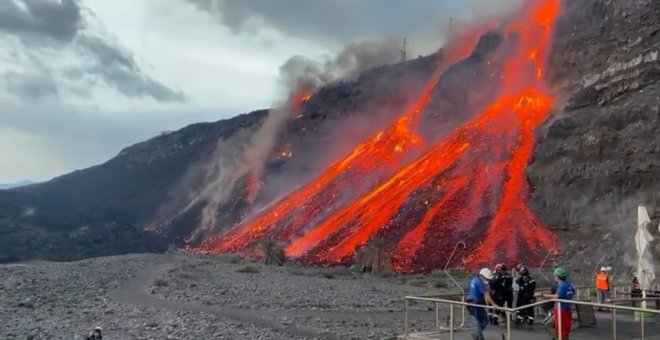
x=377 y=157
x=470 y=186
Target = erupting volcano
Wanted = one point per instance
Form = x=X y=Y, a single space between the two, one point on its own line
x=469 y=186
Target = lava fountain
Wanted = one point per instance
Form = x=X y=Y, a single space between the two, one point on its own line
x=470 y=186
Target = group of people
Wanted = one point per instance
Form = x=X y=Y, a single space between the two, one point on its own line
x=603 y=286
x=502 y=288
x=496 y=289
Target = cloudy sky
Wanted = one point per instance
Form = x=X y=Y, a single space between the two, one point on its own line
x=82 y=79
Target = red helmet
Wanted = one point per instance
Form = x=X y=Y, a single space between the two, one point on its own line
x=498 y=267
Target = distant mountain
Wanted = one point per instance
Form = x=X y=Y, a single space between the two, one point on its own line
x=15 y=185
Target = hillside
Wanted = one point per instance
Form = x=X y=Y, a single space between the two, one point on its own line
x=104 y=209
x=599 y=157
x=594 y=160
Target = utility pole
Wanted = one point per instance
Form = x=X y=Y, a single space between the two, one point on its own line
x=403 y=51
x=451 y=26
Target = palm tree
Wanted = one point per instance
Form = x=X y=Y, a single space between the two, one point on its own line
x=270 y=252
x=374 y=255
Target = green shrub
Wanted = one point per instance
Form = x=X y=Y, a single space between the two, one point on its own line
x=248 y=270
x=160 y=283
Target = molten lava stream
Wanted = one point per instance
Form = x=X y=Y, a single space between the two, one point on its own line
x=372 y=160
x=514 y=230
x=465 y=153
x=473 y=180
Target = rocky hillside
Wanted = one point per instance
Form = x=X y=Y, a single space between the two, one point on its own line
x=600 y=156
x=594 y=161
x=105 y=209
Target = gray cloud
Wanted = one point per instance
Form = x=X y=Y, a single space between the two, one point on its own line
x=42 y=25
x=424 y=22
x=30 y=86
x=59 y=20
x=119 y=70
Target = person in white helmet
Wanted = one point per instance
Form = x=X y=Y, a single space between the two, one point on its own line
x=479 y=294
x=603 y=286
x=95 y=334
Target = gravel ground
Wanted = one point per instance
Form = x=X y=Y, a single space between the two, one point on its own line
x=219 y=282
x=201 y=297
x=56 y=300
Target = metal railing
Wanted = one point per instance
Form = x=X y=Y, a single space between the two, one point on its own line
x=615 y=291
x=509 y=311
x=446 y=270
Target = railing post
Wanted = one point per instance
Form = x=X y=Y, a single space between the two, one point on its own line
x=462 y=311
x=614 y=324
x=405 y=319
x=451 y=322
x=641 y=318
x=508 y=325
x=437 y=317
x=559 y=335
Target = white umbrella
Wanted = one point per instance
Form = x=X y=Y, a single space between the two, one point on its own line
x=645 y=270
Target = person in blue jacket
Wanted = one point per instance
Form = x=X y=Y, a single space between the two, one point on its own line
x=479 y=294
x=562 y=311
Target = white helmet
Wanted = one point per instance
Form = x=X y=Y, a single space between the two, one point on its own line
x=485 y=272
x=603 y=269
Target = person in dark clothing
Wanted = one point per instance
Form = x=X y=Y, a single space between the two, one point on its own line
x=525 y=296
x=636 y=291
x=502 y=287
x=95 y=334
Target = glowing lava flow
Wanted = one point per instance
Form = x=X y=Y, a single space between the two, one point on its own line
x=372 y=160
x=470 y=186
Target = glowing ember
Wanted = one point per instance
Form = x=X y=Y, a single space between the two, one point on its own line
x=298 y=99
x=470 y=186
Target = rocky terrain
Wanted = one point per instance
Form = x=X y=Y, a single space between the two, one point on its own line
x=181 y=297
x=599 y=156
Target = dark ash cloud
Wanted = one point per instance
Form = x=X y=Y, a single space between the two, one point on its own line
x=42 y=25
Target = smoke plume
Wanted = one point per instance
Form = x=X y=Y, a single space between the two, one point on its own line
x=238 y=162
x=302 y=72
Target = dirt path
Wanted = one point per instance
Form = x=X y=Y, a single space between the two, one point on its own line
x=136 y=292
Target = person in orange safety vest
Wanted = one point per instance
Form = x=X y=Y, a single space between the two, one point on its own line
x=603 y=286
